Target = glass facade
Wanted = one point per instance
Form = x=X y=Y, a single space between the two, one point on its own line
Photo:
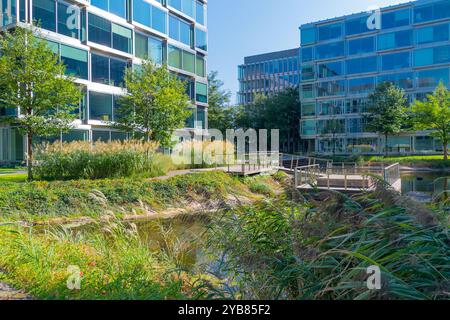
x=268 y=74
x=342 y=62
x=98 y=39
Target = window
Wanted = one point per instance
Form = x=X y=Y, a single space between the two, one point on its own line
x=149 y=48
x=431 y=78
x=180 y=30
x=395 y=19
x=181 y=59
x=44 y=13
x=67 y=24
x=99 y=30
x=396 y=61
x=361 y=85
x=331 y=88
x=122 y=38
x=432 y=11
x=362 y=65
x=107 y=71
x=307 y=91
x=150 y=16
x=433 y=34
x=360 y=46
x=185 y=6
x=401 y=80
x=308 y=36
x=200 y=13
x=101 y=135
x=356 y=26
x=200 y=67
x=117 y=7
x=308 y=127
x=100 y=106
x=308 y=73
x=329 y=70
x=309 y=109
x=307 y=54
x=429 y=56
x=331 y=50
x=331 y=31
x=332 y=107
x=76 y=61
x=395 y=40
x=200 y=39
x=201 y=90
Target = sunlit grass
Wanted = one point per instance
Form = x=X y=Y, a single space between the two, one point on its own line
x=15 y=177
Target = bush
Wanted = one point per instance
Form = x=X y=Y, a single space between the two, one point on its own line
x=83 y=160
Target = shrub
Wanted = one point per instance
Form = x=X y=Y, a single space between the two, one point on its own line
x=83 y=160
x=210 y=154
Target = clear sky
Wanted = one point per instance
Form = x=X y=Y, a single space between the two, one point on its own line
x=239 y=28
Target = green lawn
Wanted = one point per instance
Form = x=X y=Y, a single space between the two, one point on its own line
x=13 y=177
x=434 y=161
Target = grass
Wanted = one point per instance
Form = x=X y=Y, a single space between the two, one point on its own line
x=15 y=177
x=114 y=263
x=41 y=200
x=435 y=162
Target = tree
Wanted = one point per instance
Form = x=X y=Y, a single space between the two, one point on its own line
x=32 y=80
x=387 y=111
x=434 y=114
x=156 y=103
x=220 y=115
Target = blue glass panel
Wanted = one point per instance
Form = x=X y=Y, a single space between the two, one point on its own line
x=331 y=88
x=401 y=80
x=362 y=65
x=307 y=54
x=432 y=11
x=308 y=36
x=360 y=46
x=431 y=78
x=361 y=85
x=393 y=40
x=331 y=31
x=433 y=34
x=395 y=19
x=332 y=69
x=330 y=50
x=396 y=61
x=356 y=26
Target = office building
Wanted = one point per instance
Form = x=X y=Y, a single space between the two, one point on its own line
x=343 y=59
x=98 y=39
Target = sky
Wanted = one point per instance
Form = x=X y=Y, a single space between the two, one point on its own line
x=240 y=28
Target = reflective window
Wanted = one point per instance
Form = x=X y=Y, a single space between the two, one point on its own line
x=429 y=56
x=99 y=30
x=356 y=26
x=10 y=17
x=360 y=46
x=401 y=80
x=395 y=19
x=432 y=11
x=200 y=67
x=44 y=14
x=100 y=106
x=331 y=31
x=431 y=78
x=181 y=59
x=108 y=71
x=201 y=92
x=332 y=69
x=308 y=91
x=201 y=39
x=200 y=13
x=307 y=54
x=331 y=88
x=180 y=30
x=309 y=109
x=150 y=16
x=76 y=61
x=433 y=34
x=308 y=36
x=362 y=65
x=308 y=127
x=308 y=72
x=67 y=25
x=396 y=61
x=361 y=85
x=395 y=40
x=331 y=50
x=117 y=7
x=149 y=48
x=332 y=107
x=185 y=6
x=122 y=38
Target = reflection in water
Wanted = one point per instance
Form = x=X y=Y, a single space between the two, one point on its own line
x=425 y=182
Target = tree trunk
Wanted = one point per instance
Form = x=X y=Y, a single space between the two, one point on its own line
x=446 y=150
x=386 y=146
x=30 y=156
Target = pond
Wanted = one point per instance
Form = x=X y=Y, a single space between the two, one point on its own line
x=425 y=182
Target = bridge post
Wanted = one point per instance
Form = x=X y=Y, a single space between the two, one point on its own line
x=296 y=177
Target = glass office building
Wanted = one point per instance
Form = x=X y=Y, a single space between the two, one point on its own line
x=267 y=74
x=342 y=61
x=98 y=39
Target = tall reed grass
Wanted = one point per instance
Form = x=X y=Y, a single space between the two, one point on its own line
x=83 y=160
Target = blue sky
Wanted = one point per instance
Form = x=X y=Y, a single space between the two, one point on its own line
x=239 y=28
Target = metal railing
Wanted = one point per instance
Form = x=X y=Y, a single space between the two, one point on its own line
x=391 y=174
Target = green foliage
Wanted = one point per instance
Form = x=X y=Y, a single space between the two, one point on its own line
x=220 y=115
x=13 y=177
x=81 y=160
x=434 y=114
x=322 y=249
x=114 y=263
x=156 y=103
x=436 y=162
x=42 y=200
x=280 y=111
x=387 y=110
x=31 y=77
